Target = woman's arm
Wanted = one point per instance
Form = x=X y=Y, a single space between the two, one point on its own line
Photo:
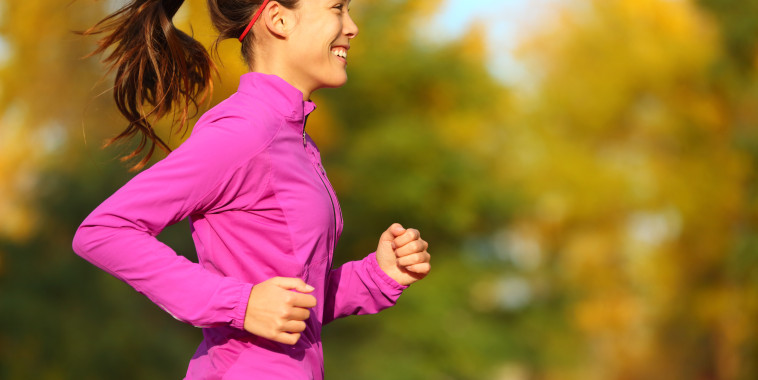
x=376 y=282
x=119 y=236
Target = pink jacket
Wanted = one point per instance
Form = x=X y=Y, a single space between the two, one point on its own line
x=260 y=205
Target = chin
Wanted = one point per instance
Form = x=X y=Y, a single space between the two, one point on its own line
x=336 y=82
x=331 y=82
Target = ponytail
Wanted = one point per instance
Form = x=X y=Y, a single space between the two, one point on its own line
x=157 y=66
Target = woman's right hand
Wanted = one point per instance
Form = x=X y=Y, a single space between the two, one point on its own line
x=276 y=312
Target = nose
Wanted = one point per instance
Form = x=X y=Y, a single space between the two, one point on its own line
x=349 y=28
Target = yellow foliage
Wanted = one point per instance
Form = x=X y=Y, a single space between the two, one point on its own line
x=630 y=156
x=424 y=7
x=18 y=162
x=589 y=258
x=473 y=44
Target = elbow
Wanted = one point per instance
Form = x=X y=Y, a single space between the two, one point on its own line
x=80 y=241
x=85 y=241
x=91 y=243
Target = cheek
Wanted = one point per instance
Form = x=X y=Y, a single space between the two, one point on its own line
x=315 y=43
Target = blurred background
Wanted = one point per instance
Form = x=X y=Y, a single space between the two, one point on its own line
x=583 y=169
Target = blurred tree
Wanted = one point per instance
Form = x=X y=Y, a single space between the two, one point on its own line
x=643 y=196
x=37 y=100
x=60 y=318
x=734 y=79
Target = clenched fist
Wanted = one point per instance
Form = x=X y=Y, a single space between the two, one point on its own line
x=402 y=254
x=276 y=312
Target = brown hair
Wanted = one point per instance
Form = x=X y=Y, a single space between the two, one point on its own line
x=159 y=65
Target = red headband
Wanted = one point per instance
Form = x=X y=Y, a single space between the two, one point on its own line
x=252 y=22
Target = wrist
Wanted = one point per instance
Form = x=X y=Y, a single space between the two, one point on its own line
x=384 y=274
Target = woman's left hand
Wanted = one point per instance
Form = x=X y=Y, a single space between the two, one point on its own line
x=402 y=254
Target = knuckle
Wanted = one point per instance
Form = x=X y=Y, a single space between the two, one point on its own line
x=289 y=339
x=424 y=268
x=410 y=260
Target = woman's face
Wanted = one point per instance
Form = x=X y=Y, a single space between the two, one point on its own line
x=319 y=43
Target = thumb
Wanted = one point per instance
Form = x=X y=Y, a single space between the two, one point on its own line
x=391 y=233
x=292 y=283
x=386 y=247
x=385 y=254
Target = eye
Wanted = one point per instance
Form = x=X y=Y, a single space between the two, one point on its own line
x=340 y=7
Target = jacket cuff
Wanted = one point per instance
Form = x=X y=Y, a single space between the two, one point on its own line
x=240 y=309
x=386 y=284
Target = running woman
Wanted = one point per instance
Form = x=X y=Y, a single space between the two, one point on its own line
x=264 y=218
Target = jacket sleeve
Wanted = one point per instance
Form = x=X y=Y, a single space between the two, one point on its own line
x=359 y=287
x=119 y=236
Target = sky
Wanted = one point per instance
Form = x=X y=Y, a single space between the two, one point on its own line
x=456 y=15
x=506 y=21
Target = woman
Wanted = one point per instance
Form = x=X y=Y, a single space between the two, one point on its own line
x=264 y=217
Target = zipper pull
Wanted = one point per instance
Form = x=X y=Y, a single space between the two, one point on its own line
x=305 y=121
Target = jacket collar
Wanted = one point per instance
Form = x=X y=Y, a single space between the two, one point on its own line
x=277 y=94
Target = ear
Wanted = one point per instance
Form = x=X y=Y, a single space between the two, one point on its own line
x=277 y=19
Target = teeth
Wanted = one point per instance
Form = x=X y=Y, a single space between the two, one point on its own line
x=340 y=53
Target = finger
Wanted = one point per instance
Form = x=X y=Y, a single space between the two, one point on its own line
x=412 y=247
x=293 y=327
x=298 y=314
x=287 y=338
x=396 y=229
x=300 y=300
x=422 y=268
x=292 y=283
x=393 y=231
x=416 y=258
x=408 y=236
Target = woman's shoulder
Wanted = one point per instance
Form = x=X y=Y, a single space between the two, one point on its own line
x=236 y=123
x=242 y=116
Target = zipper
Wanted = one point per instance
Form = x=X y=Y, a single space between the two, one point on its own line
x=329 y=192
x=334 y=211
x=305 y=120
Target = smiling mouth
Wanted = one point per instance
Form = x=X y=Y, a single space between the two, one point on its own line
x=340 y=52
